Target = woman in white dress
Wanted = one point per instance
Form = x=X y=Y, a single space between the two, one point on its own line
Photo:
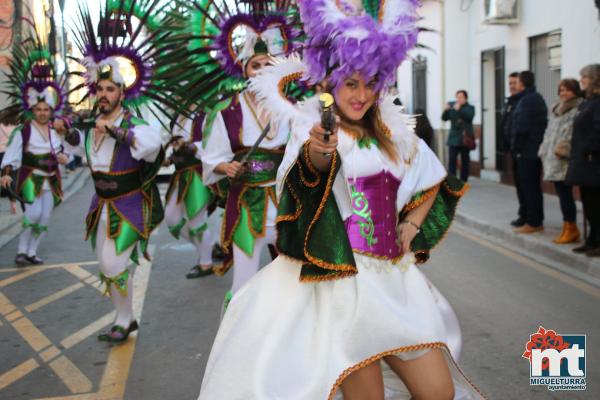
x=344 y=311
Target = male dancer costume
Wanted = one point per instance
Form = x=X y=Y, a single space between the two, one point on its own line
x=234 y=124
x=35 y=149
x=124 y=152
x=188 y=199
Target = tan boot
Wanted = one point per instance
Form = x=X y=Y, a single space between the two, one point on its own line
x=561 y=235
x=570 y=234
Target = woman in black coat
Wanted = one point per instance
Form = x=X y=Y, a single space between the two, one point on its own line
x=584 y=164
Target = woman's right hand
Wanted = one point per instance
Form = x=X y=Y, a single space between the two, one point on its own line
x=318 y=142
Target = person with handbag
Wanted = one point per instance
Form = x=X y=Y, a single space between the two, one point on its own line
x=555 y=151
x=461 y=139
x=584 y=163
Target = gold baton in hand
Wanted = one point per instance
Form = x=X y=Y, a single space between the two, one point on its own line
x=327 y=116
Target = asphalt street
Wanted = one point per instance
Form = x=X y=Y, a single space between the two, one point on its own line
x=50 y=316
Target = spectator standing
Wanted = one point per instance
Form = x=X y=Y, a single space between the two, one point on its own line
x=460 y=114
x=528 y=124
x=584 y=164
x=509 y=106
x=555 y=151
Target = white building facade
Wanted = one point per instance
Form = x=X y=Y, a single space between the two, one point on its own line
x=477 y=43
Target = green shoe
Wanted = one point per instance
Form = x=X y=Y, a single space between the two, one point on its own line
x=198 y=272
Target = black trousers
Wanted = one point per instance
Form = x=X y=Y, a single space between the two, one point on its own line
x=465 y=161
x=567 y=201
x=529 y=175
x=590 y=197
x=522 y=213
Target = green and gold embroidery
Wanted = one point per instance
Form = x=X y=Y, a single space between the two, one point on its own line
x=120 y=282
x=360 y=208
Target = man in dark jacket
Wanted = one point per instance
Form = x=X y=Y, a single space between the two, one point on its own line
x=528 y=124
x=509 y=106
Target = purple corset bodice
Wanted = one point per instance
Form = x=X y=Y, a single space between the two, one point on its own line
x=372 y=226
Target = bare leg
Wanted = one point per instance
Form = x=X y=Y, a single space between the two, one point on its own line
x=364 y=384
x=426 y=377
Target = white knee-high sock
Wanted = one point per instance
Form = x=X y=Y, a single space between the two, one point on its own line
x=173 y=211
x=112 y=265
x=123 y=304
x=47 y=205
x=33 y=213
x=203 y=242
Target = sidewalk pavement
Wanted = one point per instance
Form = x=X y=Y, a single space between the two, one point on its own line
x=10 y=224
x=487 y=209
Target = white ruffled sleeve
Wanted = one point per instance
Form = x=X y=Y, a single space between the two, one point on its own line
x=215 y=150
x=14 y=150
x=147 y=143
x=424 y=172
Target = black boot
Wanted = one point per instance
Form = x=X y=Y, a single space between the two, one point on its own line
x=519 y=222
x=35 y=260
x=217 y=253
x=21 y=259
x=585 y=248
x=198 y=272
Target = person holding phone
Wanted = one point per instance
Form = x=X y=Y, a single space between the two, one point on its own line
x=460 y=114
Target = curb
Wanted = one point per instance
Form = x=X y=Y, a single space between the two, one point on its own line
x=546 y=252
x=11 y=230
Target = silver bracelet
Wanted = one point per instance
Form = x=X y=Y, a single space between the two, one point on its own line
x=411 y=223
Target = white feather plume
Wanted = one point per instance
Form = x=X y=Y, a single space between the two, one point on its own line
x=396 y=10
x=48 y=96
x=266 y=88
x=93 y=69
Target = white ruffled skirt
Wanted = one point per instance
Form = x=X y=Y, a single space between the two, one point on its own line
x=289 y=340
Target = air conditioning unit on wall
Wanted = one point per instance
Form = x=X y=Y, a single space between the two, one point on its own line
x=501 y=12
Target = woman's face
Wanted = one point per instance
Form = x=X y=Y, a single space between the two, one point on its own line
x=460 y=98
x=354 y=96
x=584 y=82
x=565 y=94
x=255 y=64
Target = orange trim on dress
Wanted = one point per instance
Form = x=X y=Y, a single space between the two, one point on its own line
x=393 y=352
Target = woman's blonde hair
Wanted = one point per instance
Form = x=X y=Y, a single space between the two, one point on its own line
x=592 y=71
x=372 y=125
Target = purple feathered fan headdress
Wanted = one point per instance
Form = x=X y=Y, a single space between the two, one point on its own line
x=347 y=36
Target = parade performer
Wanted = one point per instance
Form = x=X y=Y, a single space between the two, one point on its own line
x=188 y=199
x=242 y=149
x=124 y=152
x=35 y=148
x=362 y=201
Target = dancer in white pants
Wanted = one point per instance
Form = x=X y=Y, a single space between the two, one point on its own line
x=36 y=150
x=188 y=199
x=123 y=151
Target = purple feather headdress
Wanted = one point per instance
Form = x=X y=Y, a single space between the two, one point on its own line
x=344 y=38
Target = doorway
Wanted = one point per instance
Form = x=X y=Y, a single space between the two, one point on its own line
x=493 y=153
